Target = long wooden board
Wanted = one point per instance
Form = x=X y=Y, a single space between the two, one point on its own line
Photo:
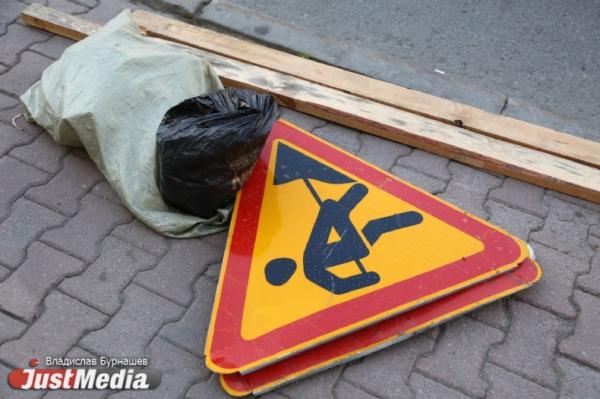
x=463 y=145
x=57 y=22
x=475 y=119
x=472 y=118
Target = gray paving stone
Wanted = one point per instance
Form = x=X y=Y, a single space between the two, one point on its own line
x=101 y=284
x=432 y=333
x=104 y=190
x=595 y=230
x=19 y=120
x=68 y=7
x=504 y=384
x=593 y=206
x=178 y=270
x=106 y=10
x=209 y=389
x=63 y=322
x=63 y=192
x=7 y=392
x=529 y=351
x=20 y=123
x=583 y=344
x=425 y=388
x=189 y=332
x=516 y=222
x=11 y=137
x=521 y=195
x=4 y=272
x=76 y=353
x=381 y=152
x=300 y=119
x=591 y=282
x=590 y=211
x=25 y=289
x=578 y=382
x=186 y=8
x=86 y=3
x=10 y=328
x=27 y=220
x=469 y=188
x=219 y=240
x=213 y=272
x=565 y=229
x=179 y=370
x=81 y=152
x=386 y=373
x=465 y=342
x=594 y=241
x=424 y=182
x=340 y=136
x=42 y=2
x=494 y=314
x=7 y=102
x=427 y=163
x=43 y=153
x=17 y=39
x=15 y=177
x=317 y=386
x=141 y=315
x=29 y=69
x=13 y=111
x=137 y=234
x=273 y=395
x=553 y=291
x=82 y=233
x=348 y=391
x=52 y=48
x=11 y=10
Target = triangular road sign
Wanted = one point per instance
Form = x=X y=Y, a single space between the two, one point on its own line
x=286 y=287
x=383 y=334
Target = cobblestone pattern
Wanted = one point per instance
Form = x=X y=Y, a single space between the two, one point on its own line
x=78 y=275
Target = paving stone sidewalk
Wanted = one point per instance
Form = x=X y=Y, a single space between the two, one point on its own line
x=79 y=276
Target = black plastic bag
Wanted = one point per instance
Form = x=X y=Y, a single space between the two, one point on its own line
x=208 y=145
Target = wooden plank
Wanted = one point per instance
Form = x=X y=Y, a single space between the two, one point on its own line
x=404 y=127
x=54 y=21
x=475 y=119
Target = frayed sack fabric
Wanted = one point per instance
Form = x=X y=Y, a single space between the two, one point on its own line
x=108 y=94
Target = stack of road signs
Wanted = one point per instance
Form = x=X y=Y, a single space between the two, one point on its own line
x=330 y=258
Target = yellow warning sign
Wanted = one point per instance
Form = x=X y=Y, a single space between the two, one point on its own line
x=322 y=244
x=287 y=221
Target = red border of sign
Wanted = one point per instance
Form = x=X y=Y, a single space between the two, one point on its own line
x=227 y=351
x=382 y=334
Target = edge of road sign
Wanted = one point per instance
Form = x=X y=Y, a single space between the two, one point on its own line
x=228 y=381
x=283 y=354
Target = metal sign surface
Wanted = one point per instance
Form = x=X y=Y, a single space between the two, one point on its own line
x=382 y=334
x=322 y=244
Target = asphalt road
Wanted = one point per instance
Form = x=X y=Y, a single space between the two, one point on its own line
x=546 y=52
